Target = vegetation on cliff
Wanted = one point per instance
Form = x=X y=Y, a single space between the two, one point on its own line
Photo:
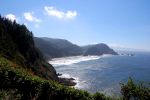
x=17 y=45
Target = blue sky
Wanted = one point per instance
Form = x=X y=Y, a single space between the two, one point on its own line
x=118 y=23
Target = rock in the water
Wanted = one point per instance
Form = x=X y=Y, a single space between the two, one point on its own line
x=67 y=81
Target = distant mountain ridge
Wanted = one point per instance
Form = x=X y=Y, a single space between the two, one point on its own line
x=54 y=48
x=98 y=49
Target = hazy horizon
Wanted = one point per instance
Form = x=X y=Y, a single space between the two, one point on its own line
x=118 y=23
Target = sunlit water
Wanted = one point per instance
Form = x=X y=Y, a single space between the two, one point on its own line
x=104 y=73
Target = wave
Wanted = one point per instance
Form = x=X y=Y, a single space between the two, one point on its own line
x=80 y=84
x=73 y=60
x=76 y=80
x=65 y=76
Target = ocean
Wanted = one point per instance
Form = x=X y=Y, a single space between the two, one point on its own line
x=104 y=73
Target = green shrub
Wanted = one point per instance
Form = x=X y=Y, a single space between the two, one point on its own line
x=9 y=95
x=135 y=91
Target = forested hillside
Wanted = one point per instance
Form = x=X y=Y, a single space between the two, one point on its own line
x=54 y=48
x=17 y=45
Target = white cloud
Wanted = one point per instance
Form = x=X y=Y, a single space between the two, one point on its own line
x=52 y=11
x=11 y=17
x=29 y=16
x=71 y=14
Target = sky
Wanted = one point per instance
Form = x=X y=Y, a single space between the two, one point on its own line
x=118 y=23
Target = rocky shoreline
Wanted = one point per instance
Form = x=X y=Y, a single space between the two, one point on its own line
x=66 y=81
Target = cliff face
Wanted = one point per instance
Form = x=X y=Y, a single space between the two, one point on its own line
x=17 y=45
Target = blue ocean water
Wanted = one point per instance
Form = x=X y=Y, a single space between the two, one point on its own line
x=105 y=73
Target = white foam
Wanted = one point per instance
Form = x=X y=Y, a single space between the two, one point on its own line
x=65 y=76
x=79 y=84
x=76 y=80
x=73 y=60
